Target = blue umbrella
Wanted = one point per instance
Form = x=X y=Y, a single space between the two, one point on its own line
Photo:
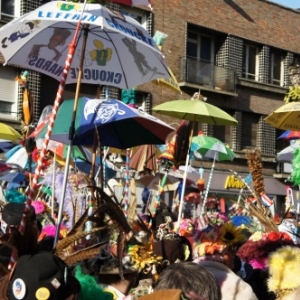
x=16 y=177
x=6 y=145
x=117 y=124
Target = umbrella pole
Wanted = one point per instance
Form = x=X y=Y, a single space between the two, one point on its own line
x=185 y=177
x=127 y=182
x=57 y=101
x=71 y=136
x=53 y=185
x=208 y=184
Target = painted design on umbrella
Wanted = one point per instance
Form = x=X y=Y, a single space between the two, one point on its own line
x=118 y=51
x=99 y=54
x=26 y=28
x=104 y=112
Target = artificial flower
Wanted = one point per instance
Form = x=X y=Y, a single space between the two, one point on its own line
x=231 y=235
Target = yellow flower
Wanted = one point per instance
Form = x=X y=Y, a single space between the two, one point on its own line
x=231 y=235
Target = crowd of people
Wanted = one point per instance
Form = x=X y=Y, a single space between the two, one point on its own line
x=120 y=258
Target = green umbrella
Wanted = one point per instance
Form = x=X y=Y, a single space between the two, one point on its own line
x=195 y=110
x=210 y=147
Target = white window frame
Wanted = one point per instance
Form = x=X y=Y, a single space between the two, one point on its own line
x=16 y=9
x=133 y=14
x=247 y=74
x=272 y=80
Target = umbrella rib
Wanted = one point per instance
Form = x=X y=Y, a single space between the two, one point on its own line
x=116 y=52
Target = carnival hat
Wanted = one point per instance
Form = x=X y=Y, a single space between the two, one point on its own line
x=42 y=276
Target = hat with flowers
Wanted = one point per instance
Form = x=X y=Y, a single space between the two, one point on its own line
x=260 y=245
x=215 y=239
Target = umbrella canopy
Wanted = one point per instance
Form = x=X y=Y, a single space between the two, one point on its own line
x=117 y=124
x=119 y=51
x=153 y=182
x=210 y=147
x=285 y=117
x=9 y=133
x=290 y=135
x=6 y=145
x=137 y=3
x=15 y=177
x=17 y=156
x=145 y=157
x=287 y=154
x=195 y=110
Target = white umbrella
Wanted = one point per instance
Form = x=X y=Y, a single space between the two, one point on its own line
x=287 y=154
x=119 y=51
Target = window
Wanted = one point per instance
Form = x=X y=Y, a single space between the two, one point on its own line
x=249 y=129
x=139 y=17
x=200 y=58
x=276 y=68
x=7 y=9
x=200 y=47
x=9 y=92
x=251 y=59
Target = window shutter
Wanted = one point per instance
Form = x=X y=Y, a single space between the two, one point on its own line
x=8 y=85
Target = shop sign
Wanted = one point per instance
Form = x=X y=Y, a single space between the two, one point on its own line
x=234 y=183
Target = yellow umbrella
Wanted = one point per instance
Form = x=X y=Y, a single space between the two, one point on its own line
x=9 y=133
x=170 y=82
x=286 y=117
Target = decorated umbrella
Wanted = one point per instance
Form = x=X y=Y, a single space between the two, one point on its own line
x=118 y=125
x=290 y=135
x=210 y=147
x=195 y=110
x=9 y=133
x=118 y=50
x=285 y=117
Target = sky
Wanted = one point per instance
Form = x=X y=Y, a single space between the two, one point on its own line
x=288 y=3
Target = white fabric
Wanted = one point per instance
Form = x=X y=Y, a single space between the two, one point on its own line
x=232 y=286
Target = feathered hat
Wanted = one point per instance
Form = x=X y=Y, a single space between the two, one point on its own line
x=284 y=271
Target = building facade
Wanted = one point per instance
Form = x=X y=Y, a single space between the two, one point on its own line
x=237 y=53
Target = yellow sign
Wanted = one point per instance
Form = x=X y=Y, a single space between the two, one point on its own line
x=234 y=183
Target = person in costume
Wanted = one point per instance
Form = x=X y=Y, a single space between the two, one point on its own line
x=284 y=278
x=215 y=250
